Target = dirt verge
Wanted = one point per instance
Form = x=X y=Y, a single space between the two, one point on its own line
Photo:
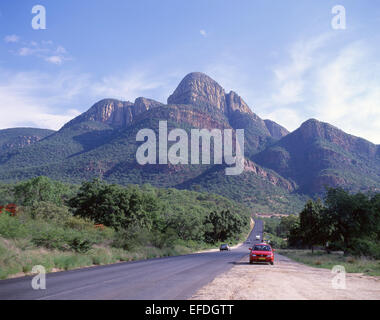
x=286 y=280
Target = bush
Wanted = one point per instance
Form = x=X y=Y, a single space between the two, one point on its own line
x=365 y=247
x=12 y=227
x=79 y=224
x=80 y=245
x=276 y=242
x=164 y=239
x=51 y=237
x=56 y=237
x=101 y=256
x=49 y=211
x=131 y=238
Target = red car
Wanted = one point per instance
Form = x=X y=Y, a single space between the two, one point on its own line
x=261 y=252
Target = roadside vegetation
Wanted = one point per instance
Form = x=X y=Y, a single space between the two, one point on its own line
x=342 y=229
x=320 y=259
x=61 y=226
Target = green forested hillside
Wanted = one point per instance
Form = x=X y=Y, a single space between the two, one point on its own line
x=21 y=137
x=319 y=155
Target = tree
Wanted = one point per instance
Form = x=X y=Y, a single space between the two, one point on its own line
x=375 y=202
x=352 y=216
x=224 y=225
x=144 y=209
x=40 y=189
x=311 y=225
x=116 y=206
x=295 y=238
x=286 y=225
x=188 y=226
x=348 y=221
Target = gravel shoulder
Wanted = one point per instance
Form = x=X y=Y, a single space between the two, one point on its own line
x=286 y=280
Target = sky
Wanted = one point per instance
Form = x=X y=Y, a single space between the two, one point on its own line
x=283 y=57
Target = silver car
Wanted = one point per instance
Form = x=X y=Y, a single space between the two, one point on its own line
x=224 y=247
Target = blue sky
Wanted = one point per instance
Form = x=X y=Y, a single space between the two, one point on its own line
x=282 y=57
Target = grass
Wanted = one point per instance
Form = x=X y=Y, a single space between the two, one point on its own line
x=321 y=259
x=18 y=256
x=18 y=259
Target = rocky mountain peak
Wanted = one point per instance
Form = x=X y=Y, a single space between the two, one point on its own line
x=199 y=89
x=143 y=104
x=108 y=111
x=114 y=112
x=313 y=129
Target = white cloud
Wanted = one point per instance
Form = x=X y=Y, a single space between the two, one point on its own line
x=45 y=50
x=12 y=38
x=338 y=85
x=25 y=51
x=18 y=111
x=347 y=92
x=55 y=59
x=203 y=33
x=135 y=83
x=34 y=99
x=61 y=50
x=49 y=101
x=290 y=78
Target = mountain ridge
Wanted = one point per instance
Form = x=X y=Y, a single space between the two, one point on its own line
x=282 y=168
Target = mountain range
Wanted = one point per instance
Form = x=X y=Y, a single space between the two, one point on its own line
x=282 y=168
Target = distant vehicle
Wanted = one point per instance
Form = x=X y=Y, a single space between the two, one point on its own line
x=261 y=252
x=224 y=247
x=258 y=237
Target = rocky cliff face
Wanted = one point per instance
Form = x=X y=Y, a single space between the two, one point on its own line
x=275 y=129
x=195 y=90
x=189 y=117
x=143 y=104
x=116 y=113
x=273 y=178
x=235 y=103
x=200 y=90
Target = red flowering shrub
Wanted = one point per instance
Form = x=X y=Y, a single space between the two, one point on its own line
x=99 y=226
x=10 y=209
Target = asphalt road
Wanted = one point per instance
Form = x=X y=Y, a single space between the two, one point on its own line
x=169 y=278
